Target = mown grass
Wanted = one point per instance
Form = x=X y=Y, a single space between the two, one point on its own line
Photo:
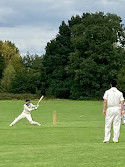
x=76 y=140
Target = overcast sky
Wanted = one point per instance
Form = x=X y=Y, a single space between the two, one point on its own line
x=30 y=24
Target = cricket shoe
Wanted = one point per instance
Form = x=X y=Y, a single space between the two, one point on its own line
x=105 y=141
x=115 y=141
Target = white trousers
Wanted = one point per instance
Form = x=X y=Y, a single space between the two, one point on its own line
x=123 y=117
x=24 y=115
x=112 y=117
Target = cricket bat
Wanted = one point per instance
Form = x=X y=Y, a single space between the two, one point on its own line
x=40 y=99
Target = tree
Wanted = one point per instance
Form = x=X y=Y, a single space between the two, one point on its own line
x=27 y=78
x=11 y=55
x=26 y=81
x=1 y=60
x=54 y=79
x=1 y=66
x=8 y=77
x=121 y=79
x=121 y=73
x=33 y=61
x=10 y=63
x=96 y=60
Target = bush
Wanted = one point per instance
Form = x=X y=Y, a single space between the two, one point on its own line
x=9 y=96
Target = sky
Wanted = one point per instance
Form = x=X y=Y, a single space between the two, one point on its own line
x=30 y=24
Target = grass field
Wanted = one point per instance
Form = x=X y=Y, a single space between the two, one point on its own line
x=74 y=142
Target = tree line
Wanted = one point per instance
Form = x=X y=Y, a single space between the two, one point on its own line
x=86 y=54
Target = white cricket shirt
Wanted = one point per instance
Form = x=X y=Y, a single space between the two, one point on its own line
x=113 y=97
x=28 y=108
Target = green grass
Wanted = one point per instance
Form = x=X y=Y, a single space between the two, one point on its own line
x=74 y=142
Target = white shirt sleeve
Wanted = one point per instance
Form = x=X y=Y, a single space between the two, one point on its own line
x=26 y=108
x=122 y=98
x=32 y=105
x=105 y=95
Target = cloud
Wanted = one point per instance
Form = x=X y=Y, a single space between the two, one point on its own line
x=34 y=12
x=29 y=39
x=30 y=24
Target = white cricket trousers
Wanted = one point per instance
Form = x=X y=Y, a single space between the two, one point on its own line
x=112 y=117
x=24 y=115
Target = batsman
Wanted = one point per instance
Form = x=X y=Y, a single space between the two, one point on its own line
x=28 y=107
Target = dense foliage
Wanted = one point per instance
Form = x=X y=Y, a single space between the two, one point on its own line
x=87 y=53
x=92 y=56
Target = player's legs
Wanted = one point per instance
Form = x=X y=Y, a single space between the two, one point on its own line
x=108 y=123
x=17 y=119
x=116 y=127
x=28 y=116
